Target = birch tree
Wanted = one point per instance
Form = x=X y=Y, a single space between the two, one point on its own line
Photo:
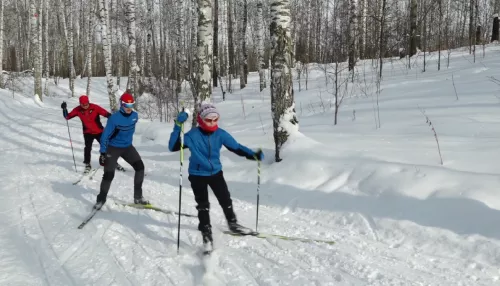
x=413 y=28
x=230 y=43
x=134 y=69
x=104 y=21
x=35 y=54
x=260 y=46
x=353 y=29
x=242 y=47
x=45 y=15
x=90 y=37
x=282 y=102
x=204 y=49
x=1 y=44
x=68 y=35
x=215 y=42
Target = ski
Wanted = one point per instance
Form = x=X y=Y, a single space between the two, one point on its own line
x=283 y=237
x=88 y=218
x=89 y=174
x=151 y=207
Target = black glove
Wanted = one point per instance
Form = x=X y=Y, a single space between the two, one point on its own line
x=63 y=105
x=259 y=155
x=102 y=159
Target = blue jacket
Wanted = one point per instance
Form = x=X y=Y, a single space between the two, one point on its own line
x=205 y=149
x=119 y=130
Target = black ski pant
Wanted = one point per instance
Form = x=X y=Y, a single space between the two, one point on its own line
x=130 y=155
x=89 y=140
x=217 y=183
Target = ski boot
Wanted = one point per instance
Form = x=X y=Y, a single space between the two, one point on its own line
x=234 y=227
x=98 y=205
x=208 y=242
x=119 y=167
x=141 y=201
x=88 y=167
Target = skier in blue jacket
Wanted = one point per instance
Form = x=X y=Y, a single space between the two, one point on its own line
x=205 y=168
x=116 y=141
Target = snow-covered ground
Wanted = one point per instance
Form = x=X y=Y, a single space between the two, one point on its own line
x=397 y=215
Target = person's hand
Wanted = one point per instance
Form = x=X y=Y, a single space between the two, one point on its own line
x=102 y=159
x=182 y=117
x=64 y=105
x=259 y=155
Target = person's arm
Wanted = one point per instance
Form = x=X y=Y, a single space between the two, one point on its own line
x=102 y=112
x=232 y=145
x=106 y=135
x=174 y=143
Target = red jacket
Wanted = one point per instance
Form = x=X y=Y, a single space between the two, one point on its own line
x=90 y=118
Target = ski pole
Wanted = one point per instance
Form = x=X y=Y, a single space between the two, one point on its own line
x=71 y=143
x=258 y=194
x=180 y=185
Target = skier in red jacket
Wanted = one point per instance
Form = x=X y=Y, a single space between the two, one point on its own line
x=89 y=114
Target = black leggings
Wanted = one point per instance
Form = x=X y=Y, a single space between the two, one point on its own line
x=89 y=140
x=130 y=155
x=217 y=183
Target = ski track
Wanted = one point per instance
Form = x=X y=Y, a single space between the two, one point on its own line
x=107 y=253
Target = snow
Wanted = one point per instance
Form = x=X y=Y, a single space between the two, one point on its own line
x=397 y=215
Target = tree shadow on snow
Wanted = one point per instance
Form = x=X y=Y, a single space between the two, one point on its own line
x=461 y=215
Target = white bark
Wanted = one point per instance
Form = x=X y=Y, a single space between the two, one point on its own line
x=1 y=44
x=90 y=40
x=260 y=45
x=119 y=48
x=205 y=41
x=35 y=52
x=45 y=15
x=134 y=69
x=149 y=42
x=68 y=35
x=107 y=53
x=353 y=28
x=242 y=39
x=285 y=121
x=180 y=47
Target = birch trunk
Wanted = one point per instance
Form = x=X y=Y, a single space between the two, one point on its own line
x=45 y=15
x=180 y=49
x=413 y=28
x=230 y=42
x=39 y=51
x=112 y=30
x=260 y=45
x=352 y=36
x=216 y=42
x=35 y=54
x=130 y=16
x=90 y=34
x=1 y=44
x=103 y=15
x=242 y=48
x=119 y=53
x=68 y=35
x=205 y=38
x=285 y=121
x=149 y=42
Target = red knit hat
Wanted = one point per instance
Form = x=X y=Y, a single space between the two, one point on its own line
x=127 y=98
x=84 y=99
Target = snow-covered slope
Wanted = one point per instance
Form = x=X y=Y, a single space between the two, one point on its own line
x=397 y=216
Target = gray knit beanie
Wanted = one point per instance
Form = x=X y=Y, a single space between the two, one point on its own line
x=207 y=109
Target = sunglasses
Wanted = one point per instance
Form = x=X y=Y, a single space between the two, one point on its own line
x=208 y=120
x=128 y=105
